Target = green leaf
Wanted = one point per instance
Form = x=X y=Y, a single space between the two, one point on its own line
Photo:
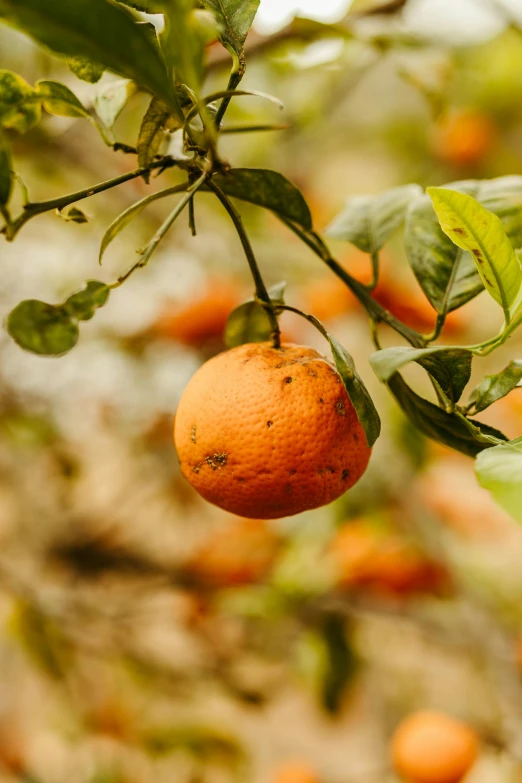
x=42 y=328
x=267 y=189
x=52 y=330
x=235 y=19
x=85 y=69
x=111 y=100
x=450 y=367
x=500 y=470
x=494 y=387
x=340 y=662
x=99 y=30
x=473 y=228
x=41 y=639
x=20 y=104
x=158 y=117
x=467 y=436
x=249 y=323
x=6 y=174
x=83 y=304
x=369 y=221
x=447 y=274
x=124 y=218
x=448 y=277
x=60 y=100
x=183 y=40
x=356 y=390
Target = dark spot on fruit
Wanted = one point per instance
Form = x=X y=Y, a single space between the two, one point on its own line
x=345 y=474
x=329 y=469
x=288 y=379
x=312 y=372
x=321 y=400
x=216 y=461
x=339 y=407
x=292 y=472
x=197 y=467
x=355 y=437
x=193 y=433
x=269 y=424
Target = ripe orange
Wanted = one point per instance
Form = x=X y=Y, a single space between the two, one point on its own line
x=465 y=137
x=267 y=433
x=431 y=747
x=295 y=772
x=203 y=318
x=240 y=553
x=382 y=562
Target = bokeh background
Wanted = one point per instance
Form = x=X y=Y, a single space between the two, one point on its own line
x=147 y=636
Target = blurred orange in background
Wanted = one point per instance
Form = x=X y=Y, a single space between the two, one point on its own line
x=464 y=137
x=295 y=772
x=383 y=561
x=431 y=747
x=242 y=552
x=449 y=489
x=328 y=297
x=203 y=318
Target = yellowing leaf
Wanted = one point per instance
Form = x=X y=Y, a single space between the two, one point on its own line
x=472 y=227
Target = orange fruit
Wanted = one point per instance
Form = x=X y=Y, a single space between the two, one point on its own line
x=382 y=561
x=241 y=553
x=464 y=137
x=328 y=298
x=266 y=433
x=431 y=747
x=203 y=318
x=295 y=772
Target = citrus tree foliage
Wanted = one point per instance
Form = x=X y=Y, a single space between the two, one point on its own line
x=460 y=239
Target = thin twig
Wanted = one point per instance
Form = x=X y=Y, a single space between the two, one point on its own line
x=261 y=291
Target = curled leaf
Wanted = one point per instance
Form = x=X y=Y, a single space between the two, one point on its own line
x=494 y=387
x=110 y=101
x=357 y=391
x=157 y=119
x=60 y=100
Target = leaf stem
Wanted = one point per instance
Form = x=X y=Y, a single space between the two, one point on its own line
x=261 y=291
x=375 y=271
x=238 y=71
x=38 y=207
x=160 y=233
x=378 y=313
x=439 y=326
x=192 y=218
